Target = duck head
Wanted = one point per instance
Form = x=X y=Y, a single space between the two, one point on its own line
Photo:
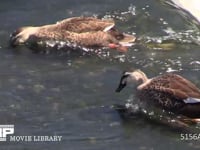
x=21 y=35
x=136 y=76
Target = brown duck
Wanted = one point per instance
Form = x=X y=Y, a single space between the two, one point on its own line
x=169 y=91
x=88 y=32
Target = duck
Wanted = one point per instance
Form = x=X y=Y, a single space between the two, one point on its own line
x=88 y=32
x=169 y=91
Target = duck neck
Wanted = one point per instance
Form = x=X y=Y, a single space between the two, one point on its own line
x=141 y=77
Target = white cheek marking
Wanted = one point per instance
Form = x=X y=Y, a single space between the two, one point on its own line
x=191 y=100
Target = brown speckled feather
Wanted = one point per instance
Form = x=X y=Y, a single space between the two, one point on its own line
x=84 y=24
x=99 y=38
x=174 y=84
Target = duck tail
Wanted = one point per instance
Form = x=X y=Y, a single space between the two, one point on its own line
x=191 y=110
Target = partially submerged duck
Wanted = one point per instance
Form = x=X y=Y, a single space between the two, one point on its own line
x=170 y=92
x=88 y=32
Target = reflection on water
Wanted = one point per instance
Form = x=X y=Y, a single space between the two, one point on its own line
x=71 y=95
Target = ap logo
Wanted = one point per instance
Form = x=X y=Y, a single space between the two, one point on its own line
x=5 y=130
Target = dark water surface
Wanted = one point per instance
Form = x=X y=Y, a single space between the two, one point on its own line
x=71 y=95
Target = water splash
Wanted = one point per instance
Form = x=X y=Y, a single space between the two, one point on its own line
x=55 y=46
x=170 y=41
x=133 y=110
x=131 y=10
x=195 y=65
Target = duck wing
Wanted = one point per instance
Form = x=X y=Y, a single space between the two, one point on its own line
x=85 y=24
x=179 y=83
x=176 y=86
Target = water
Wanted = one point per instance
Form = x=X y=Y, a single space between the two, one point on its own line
x=71 y=95
x=191 y=7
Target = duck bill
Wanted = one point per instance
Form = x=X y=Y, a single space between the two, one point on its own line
x=14 y=41
x=120 y=87
x=15 y=38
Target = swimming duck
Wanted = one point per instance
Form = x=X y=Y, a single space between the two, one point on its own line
x=169 y=91
x=87 y=32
